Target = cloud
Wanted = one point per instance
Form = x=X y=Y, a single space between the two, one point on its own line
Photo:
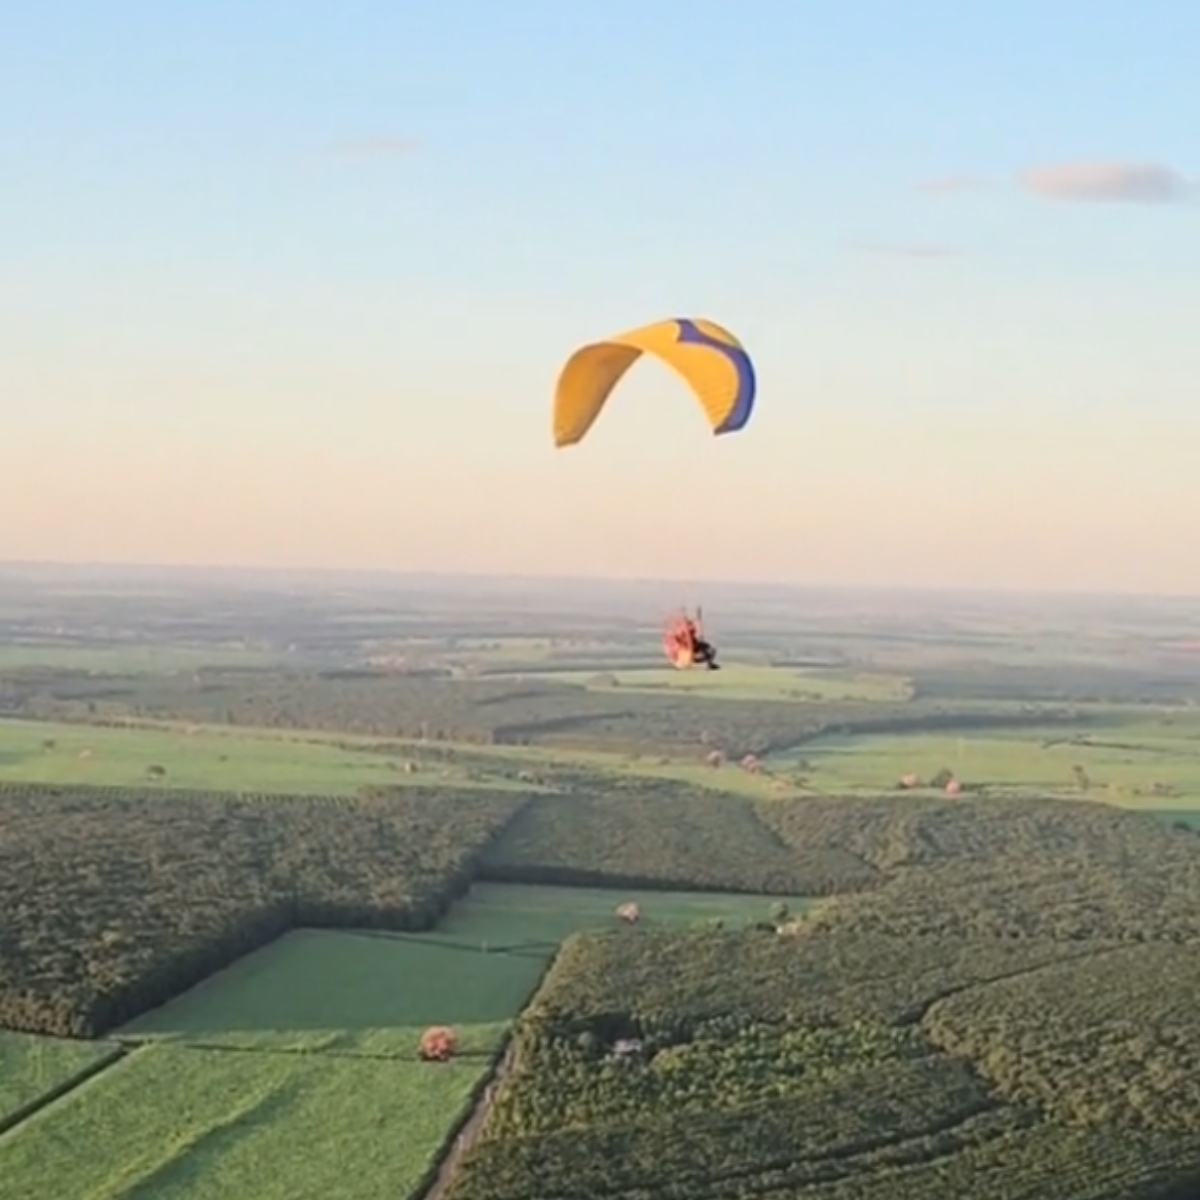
x=952 y=183
x=1131 y=183
x=380 y=147
x=905 y=249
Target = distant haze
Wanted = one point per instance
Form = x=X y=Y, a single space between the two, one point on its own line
x=290 y=288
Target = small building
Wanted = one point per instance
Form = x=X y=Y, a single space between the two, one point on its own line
x=627 y=1049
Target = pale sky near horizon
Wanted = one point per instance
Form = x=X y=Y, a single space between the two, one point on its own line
x=290 y=283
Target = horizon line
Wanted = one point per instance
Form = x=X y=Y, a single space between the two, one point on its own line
x=397 y=574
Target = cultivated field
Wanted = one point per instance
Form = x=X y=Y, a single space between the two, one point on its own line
x=220 y=758
x=173 y=1121
x=742 y=681
x=294 y=1072
x=212 y=759
x=32 y=1067
x=365 y=994
x=536 y=917
x=1129 y=758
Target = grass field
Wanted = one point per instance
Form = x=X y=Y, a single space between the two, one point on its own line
x=1147 y=760
x=205 y=758
x=172 y=1121
x=747 y=682
x=1143 y=762
x=134 y=660
x=220 y=758
x=367 y=994
x=293 y=1073
x=506 y=914
x=33 y=1066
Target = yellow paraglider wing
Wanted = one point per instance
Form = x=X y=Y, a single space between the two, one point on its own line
x=709 y=359
x=583 y=387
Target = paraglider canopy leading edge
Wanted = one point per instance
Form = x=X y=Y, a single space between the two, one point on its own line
x=708 y=357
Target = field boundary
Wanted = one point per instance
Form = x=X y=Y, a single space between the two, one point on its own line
x=10 y=1121
x=465 y=1132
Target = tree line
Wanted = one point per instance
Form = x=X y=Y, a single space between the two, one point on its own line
x=116 y=900
x=482 y=711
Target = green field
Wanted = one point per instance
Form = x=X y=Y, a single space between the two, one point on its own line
x=742 y=681
x=351 y=994
x=1137 y=760
x=136 y=660
x=31 y=1067
x=294 y=1073
x=220 y=758
x=1143 y=762
x=207 y=758
x=504 y=914
x=173 y=1121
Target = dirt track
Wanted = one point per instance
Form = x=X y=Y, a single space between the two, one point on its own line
x=465 y=1138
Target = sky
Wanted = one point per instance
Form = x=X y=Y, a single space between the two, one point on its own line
x=289 y=284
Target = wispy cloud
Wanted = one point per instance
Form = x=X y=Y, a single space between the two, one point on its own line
x=905 y=249
x=1131 y=183
x=952 y=183
x=380 y=147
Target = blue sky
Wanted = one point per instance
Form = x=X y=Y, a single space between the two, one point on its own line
x=290 y=283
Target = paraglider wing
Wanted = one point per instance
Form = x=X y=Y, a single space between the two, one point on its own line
x=583 y=387
x=709 y=358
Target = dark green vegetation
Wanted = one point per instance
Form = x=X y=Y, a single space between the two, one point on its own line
x=819 y=1067
x=114 y=901
x=630 y=833
x=1011 y=869
x=382 y=704
x=1052 y=1051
